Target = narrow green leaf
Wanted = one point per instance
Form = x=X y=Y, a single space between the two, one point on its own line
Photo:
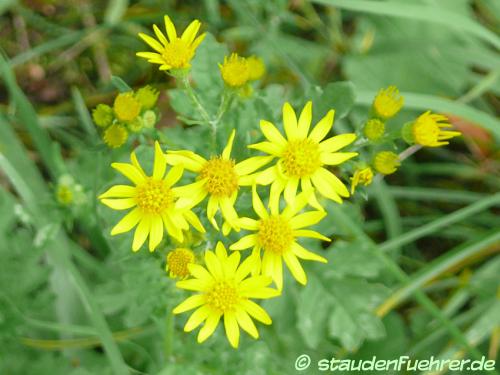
x=120 y=84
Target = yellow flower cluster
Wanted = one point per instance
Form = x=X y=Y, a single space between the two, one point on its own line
x=425 y=131
x=237 y=71
x=299 y=159
x=131 y=112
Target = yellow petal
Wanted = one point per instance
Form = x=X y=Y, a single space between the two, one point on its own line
x=291 y=190
x=250 y=165
x=232 y=329
x=310 y=234
x=196 y=318
x=129 y=171
x=194 y=221
x=336 y=143
x=192 y=284
x=257 y=204
x=135 y=163
x=267 y=176
x=129 y=221
x=246 y=323
x=212 y=207
x=274 y=196
x=290 y=121
x=278 y=273
x=149 y=55
x=174 y=175
x=160 y=163
x=160 y=35
x=210 y=325
x=153 y=43
x=244 y=269
x=295 y=268
x=172 y=227
x=190 y=33
x=245 y=242
x=256 y=311
x=322 y=127
x=306 y=254
x=189 y=162
x=306 y=219
x=141 y=233
x=170 y=28
x=226 y=153
x=156 y=233
x=248 y=224
x=332 y=180
x=119 y=191
x=190 y=303
x=305 y=120
x=213 y=265
x=272 y=133
x=268 y=148
x=337 y=157
x=119 y=204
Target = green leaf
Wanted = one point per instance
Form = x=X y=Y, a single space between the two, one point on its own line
x=120 y=84
x=339 y=96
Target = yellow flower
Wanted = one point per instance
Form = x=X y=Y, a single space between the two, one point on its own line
x=102 y=115
x=178 y=261
x=386 y=162
x=64 y=195
x=302 y=157
x=276 y=234
x=153 y=199
x=388 y=102
x=219 y=178
x=174 y=52
x=362 y=176
x=147 y=96
x=426 y=130
x=256 y=68
x=225 y=290
x=136 y=125
x=126 y=106
x=235 y=70
x=374 y=129
x=115 y=135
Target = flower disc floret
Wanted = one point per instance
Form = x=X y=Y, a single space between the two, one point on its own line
x=115 y=135
x=178 y=261
x=221 y=178
x=388 y=102
x=386 y=162
x=126 y=107
x=275 y=234
x=235 y=70
x=301 y=158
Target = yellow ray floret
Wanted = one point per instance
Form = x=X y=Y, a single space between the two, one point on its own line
x=219 y=178
x=362 y=176
x=172 y=52
x=276 y=235
x=302 y=157
x=225 y=291
x=152 y=200
x=388 y=102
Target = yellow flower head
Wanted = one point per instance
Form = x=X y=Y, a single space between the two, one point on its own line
x=136 y=125
x=115 y=136
x=219 y=178
x=427 y=130
x=225 y=290
x=303 y=156
x=102 y=115
x=172 y=52
x=235 y=70
x=178 y=261
x=362 y=176
x=388 y=102
x=64 y=195
x=126 y=106
x=276 y=235
x=374 y=129
x=386 y=162
x=147 y=96
x=153 y=202
x=256 y=68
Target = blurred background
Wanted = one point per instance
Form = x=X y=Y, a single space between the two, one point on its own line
x=69 y=305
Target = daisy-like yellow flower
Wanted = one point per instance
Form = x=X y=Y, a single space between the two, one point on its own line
x=276 y=235
x=126 y=106
x=172 y=52
x=219 y=178
x=303 y=156
x=225 y=290
x=235 y=70
x=153 y=202
x=388 y=102
x=386 y=162
x=362 y=176
x=427 y=130
x=178 y=261
x=115 y=135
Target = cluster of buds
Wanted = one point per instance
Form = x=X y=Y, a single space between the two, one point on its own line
x=131 y=113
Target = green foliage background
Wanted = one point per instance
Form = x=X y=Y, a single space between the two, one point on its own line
x=414 y=263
